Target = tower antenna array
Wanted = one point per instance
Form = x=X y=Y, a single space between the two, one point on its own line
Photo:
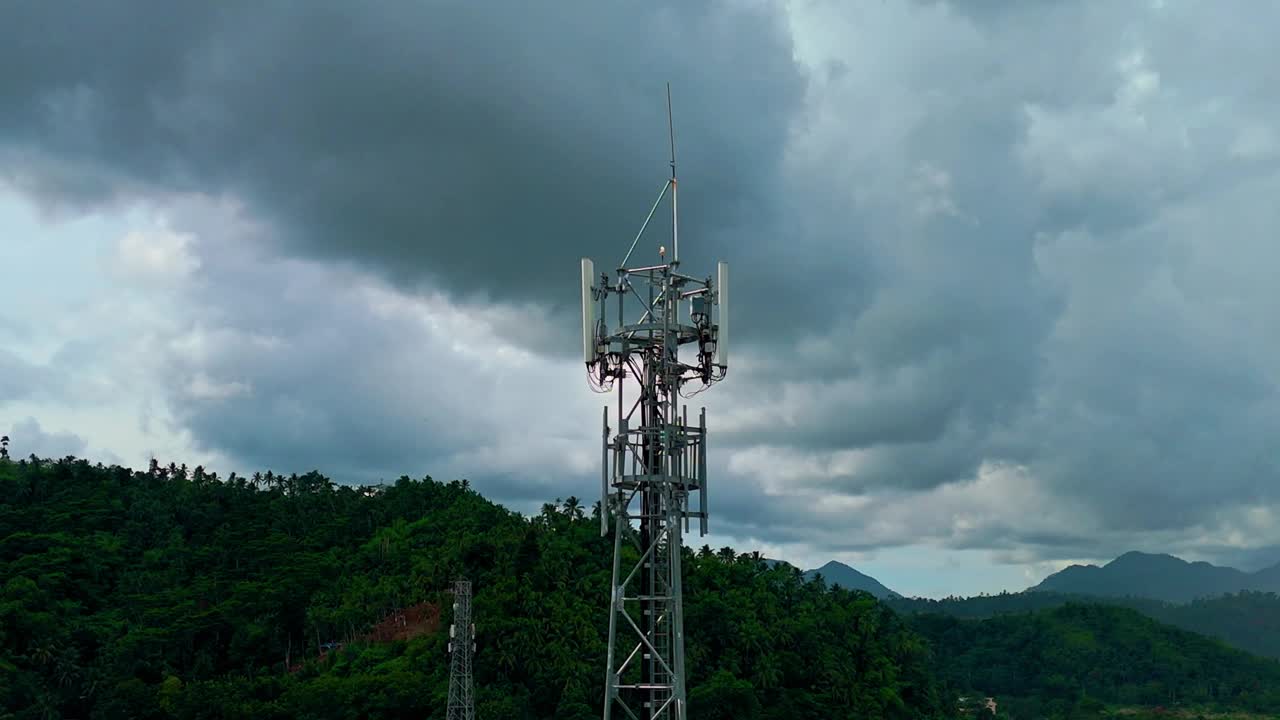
x=462 y=646
x=654 y=475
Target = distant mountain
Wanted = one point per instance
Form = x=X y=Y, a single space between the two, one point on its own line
x=1249 y=620
x=1269 y=579
x=837 y=573
x=1159 y=577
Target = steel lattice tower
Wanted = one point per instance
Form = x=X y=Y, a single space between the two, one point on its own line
x=654 y=467
x=462 y=646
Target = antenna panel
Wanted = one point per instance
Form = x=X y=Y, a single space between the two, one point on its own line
x=588 y=312
x=722 y=295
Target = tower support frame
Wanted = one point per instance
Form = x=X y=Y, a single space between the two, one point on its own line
x=653 y=478
x=462 y=647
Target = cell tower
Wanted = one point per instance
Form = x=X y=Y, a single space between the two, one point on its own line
x=462 y=646
x=655 y=465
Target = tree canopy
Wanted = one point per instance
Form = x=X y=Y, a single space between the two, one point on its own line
x=172 y=593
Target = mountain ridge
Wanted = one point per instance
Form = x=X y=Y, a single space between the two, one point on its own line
x=1158 y=576
x=838 y=573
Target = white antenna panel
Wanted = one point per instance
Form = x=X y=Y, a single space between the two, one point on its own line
x=722 y=293
x=588 y=312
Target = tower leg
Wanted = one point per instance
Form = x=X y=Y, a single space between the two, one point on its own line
x=677 y=621
x=615 y=606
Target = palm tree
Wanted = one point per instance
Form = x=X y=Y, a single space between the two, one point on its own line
x=572 y=508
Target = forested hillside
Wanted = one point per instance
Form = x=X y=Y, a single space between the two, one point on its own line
x=1247 y=620
x=1076 y=660
x=174 y=594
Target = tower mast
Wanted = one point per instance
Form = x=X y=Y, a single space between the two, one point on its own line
x=462 y=646
x=653 y=475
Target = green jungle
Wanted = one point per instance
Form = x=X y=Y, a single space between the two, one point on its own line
x=172 y=593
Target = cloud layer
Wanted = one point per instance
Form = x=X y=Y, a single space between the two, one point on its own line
x=1003 y=269
x=472 y=147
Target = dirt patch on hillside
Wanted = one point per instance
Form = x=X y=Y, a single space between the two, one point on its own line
x=406 y=624
x=403 y=624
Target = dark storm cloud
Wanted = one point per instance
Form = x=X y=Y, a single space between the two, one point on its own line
x=481 y=146
x=293 y=369
x=292 y=365
x=1070 y=301
x=1004 y=269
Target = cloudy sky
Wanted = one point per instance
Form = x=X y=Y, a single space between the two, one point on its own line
x=1004 y=271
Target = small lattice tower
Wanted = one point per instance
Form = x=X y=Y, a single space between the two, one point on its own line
x=462 y=647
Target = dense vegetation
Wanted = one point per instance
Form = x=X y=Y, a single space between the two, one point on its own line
x=1246 y=620
x=1076 y=660
x=173 y=594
